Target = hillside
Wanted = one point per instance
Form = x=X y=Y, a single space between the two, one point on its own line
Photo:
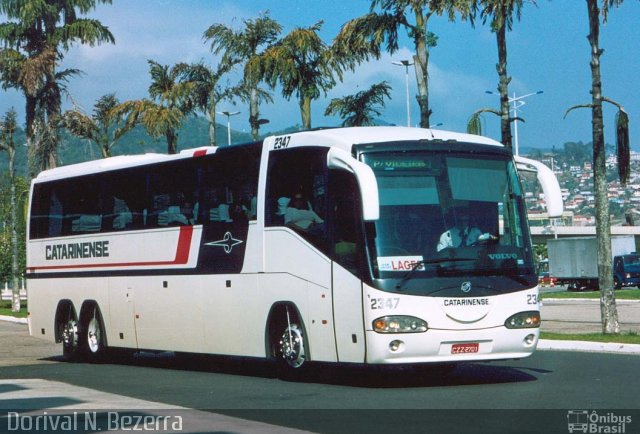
x=194 y=133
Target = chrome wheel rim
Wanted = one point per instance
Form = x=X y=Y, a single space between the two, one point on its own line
x=93 y=335
x=292 y=346
x=70 y=334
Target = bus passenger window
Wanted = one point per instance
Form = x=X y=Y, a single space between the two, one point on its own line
x=122 y=214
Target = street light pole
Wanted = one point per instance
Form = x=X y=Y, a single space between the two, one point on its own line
x=406 y=64
x=228 y=115
x=517 y=103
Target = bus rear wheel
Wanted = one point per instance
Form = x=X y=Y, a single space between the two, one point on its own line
x=92 y=338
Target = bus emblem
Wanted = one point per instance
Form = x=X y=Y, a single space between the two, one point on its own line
x=465 y=287
x=228 y=242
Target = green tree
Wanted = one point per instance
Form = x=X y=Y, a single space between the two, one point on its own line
x=303 y=65
x=102 y=128
x=364 y=36
x=359 y=109
x=207 y=91
x=247 y=47
x=172 y=100
x=8 y=126
x=597 y=10
x=35 y=41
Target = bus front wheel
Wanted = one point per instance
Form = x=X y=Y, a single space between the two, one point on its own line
x=288 y=340
x=291 y=346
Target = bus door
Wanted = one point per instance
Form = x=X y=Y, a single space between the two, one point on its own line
x=347 y=252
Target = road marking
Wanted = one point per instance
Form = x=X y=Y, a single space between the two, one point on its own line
x=36 y=397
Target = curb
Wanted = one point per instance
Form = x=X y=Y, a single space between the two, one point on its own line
x=589 y=347
x=13 y=319
x=551 y=301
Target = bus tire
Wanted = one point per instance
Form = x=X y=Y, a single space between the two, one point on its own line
x=288 y=341
x=67 y=324
x=92 y=336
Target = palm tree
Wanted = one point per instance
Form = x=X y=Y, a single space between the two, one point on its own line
x=44 y=30
x=359 y=109
x=172 y=100
x=247 y=46
x=501 y=13
x=100 y=128
x=207 y=92
x=363 y=37
x=608 y=308
x=8 y=126
x=303 y=65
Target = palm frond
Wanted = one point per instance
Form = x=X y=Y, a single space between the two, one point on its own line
x=80 y=125
x=575 y=107
x=83 y=30
x=474 y=124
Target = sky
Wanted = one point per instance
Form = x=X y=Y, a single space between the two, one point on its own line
x=547 y=51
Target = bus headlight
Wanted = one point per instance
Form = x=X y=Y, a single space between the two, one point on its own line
x=523 y=320
x=399 y=324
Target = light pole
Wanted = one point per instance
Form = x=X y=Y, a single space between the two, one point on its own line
x=406 y=64
x=228 y=115
x=517 y=103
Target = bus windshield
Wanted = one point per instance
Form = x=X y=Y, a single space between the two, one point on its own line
x=448 y=214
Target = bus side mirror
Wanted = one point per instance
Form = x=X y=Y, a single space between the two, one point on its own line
x=339 y=159
x=548 y=181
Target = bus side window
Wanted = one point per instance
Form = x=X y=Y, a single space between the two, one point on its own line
x=298 y=175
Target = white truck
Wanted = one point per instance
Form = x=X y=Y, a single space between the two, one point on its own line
x=574 y=261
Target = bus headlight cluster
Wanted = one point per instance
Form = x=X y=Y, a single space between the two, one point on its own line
x=399 y=324
x=523 y=320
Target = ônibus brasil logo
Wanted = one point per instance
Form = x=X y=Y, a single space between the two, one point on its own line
x=594 y=422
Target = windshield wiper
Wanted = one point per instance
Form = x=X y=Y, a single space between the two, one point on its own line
x=422 y=263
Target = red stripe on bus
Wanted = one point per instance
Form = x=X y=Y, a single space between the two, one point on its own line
x=181 y=258
x=200 y=153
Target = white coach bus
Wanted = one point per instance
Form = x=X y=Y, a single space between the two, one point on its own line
x=334 y=245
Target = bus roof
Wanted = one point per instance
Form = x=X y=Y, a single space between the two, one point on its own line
x=343 y=138
x=347 y=137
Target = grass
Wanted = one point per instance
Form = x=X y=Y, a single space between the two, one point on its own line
x=5 y=309
x=621 y=294
x=624 y=338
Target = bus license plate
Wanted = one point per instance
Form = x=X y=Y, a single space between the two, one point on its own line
x=465 y=348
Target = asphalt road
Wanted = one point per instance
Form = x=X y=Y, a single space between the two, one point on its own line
x=535 y=394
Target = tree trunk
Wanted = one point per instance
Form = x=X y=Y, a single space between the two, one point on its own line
x=254 y=114
x=608 y=309
x=171 y=141
x=15 y=273
x=503 y=86
x=212 y=125
x=30 y=117
x=305 y=112
x=421 y=65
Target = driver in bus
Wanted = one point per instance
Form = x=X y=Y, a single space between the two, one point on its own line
x=462 y=234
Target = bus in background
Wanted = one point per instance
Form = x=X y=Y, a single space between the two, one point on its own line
x=333 y=245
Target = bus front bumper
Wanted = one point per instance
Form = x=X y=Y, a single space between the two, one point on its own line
x=434 y=346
